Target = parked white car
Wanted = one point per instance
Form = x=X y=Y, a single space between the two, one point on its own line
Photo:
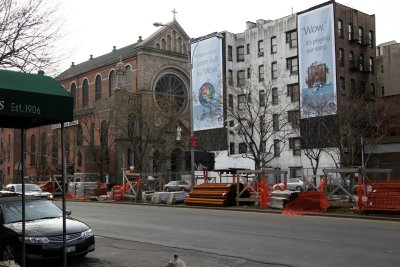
x=30 y=190
x=293 y=184
x=177 y=186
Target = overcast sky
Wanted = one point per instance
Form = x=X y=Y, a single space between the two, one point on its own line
x=93 y=27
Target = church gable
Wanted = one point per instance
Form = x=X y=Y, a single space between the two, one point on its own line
x=169 y=38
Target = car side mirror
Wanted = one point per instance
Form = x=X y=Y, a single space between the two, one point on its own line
x=68 y=212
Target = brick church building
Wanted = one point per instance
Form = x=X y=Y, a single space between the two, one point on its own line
x=131 y=108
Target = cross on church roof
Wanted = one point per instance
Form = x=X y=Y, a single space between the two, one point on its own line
x=174 y=12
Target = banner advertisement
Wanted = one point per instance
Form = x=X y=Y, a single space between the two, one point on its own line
x=207 y=88
x=317 y=68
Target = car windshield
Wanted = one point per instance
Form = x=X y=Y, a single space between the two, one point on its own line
x=28 y=188
x=292 y=180
x=34 y=210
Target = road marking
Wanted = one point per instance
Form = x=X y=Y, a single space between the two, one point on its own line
x=282 y=236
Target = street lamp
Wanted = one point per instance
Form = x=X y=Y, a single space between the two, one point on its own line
x=190 y=61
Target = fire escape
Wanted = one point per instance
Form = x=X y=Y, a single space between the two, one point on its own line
x=362 y=65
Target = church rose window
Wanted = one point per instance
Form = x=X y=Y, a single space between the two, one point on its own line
x=170 y=94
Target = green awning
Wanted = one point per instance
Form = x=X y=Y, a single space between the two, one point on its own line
x=31 y=100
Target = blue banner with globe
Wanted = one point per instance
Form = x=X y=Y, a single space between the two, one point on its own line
x=207 y=91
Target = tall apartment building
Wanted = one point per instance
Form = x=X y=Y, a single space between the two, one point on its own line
x=265 y=86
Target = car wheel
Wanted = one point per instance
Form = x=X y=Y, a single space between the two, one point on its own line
x=183 y=189
x=8 y=253
x=299 y=188
x=167 y=189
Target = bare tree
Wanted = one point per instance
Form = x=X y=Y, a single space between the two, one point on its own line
x=29 y=31
x=363 y=121
x=263 y=120
x=98 y=123
x=319 y=133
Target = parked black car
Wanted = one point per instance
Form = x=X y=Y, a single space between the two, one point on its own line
x=43 y=231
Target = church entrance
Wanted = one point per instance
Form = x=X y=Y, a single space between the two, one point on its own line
x=177 y=163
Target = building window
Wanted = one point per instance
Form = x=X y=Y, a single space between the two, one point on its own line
x=230 y=100
x=128 y=78
x=275 y=122
x=241 y=101
x=383 y=91
x=43 y=149
x=293 y=92
x=230 y=77
x=373 y=90
x=73 y=94
x=361 y=35
x=232 y=148
x=295 y=172
x=261 y=73
x=79 y=136
x=353 y=86
x=381 y=68
x=97 y=85
x=274 y=45
x=261 y=95
x=350 y=29
x=292 y=65
x=371 y=65
x=248 y=73
x=111 y=82
x=352 y=63
x=240 y=53
x=274 y=70
x=294 y=118
x=79 y=159
x=371 y=39
x=242 y=148
x=342 y=86
x=361 y=63
x=230 y=53
x=54 y=148
x=248 y=49
x=275 y=97
x=260 y=48
x=340 y=28
x=241 y=78
x=341 y=57
x=171 y=94
x=85 y=93
x=277 y=148
x=291 y=38
x=295 y=144
x=91 y=134
x=262 y=126
x=33 y=151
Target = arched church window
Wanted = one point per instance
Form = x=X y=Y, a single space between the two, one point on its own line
x=170 y=94
x=97 y=93
x=169 y=42
x=79 y=136
x=163 y=44
x=111 y=82
x=73 y=93
x=128 y=77
x=33 y=150
x=85 y=93
x=43 y=149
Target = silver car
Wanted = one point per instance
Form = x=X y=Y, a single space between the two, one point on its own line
x=177 y=186
x=293 y=184
x=30 y=190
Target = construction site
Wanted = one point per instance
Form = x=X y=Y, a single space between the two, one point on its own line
x=353 y=190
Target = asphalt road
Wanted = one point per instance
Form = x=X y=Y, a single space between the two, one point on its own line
x=140 y=235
